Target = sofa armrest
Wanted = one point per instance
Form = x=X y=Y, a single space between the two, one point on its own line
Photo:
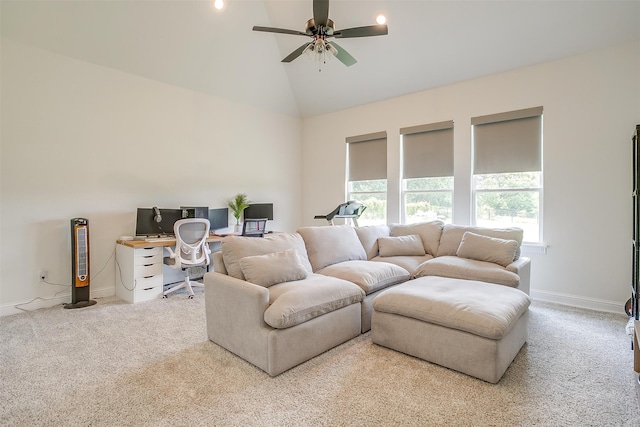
x=522 y=267
x=218 y=263
x=235 y=316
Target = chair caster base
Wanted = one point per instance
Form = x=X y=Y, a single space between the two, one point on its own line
x=190 y=297
x=164 y=297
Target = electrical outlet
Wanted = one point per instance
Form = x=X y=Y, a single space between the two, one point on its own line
x=43 y=275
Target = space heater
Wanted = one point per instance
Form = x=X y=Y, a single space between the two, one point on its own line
x=79 y=264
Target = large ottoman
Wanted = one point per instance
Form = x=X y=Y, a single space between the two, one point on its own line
x=472 y=327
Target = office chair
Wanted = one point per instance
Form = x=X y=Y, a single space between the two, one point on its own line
x=191 y=250
x=254 y=227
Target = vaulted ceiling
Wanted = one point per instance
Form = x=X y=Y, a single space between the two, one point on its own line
x=430 y=43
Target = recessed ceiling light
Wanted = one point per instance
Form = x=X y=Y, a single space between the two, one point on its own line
x=218 y=4
x=381 y=19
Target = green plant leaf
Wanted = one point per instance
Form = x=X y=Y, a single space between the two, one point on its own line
x=238 y=204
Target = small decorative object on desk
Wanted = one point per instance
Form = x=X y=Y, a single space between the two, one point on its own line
x=237 y=205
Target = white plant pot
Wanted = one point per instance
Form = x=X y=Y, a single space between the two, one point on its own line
x=237 y=228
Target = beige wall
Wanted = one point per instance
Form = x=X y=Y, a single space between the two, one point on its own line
x=80 y=140
x=590 y=110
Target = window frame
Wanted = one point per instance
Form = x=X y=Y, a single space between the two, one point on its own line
x=492 y=119
x=423 y=140
x=539 y=189
x=352 y=195
x=371 y=172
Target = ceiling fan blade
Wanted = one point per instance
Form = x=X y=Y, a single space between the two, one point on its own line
x=371 y=30
x=293 y=55
x=321 y=12
x=279 y=31
x=344 y=56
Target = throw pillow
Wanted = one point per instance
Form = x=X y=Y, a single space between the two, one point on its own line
x=489 y=249
x=429 y=232
x=401 y=246
x=234 y=248
x=452 y=236
x=369 y=235
x=270 y=269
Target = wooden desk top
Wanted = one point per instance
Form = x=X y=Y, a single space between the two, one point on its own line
x=137 y=244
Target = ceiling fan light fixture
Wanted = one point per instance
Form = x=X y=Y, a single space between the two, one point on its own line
x=332 y=51
x=309 y=50
x=381 y=19
x=321 y=46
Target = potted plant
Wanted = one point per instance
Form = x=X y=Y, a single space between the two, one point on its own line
x=237 y=205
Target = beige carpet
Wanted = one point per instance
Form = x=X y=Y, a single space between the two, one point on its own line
x=150 y=364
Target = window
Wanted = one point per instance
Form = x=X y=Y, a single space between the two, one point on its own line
x=427 y=172
x=507 y=175
x=367 y=176
x=373 y=194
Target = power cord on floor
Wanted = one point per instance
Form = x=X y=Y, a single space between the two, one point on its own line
x=17 y=306
x=66 y=287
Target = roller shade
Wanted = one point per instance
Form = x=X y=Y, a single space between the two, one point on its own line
x=367 y=156
x=508 y=142
x=427 y=150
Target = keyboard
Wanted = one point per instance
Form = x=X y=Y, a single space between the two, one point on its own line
x=160 y=239
x=228 y=231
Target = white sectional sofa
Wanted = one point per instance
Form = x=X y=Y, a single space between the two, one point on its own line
x=283 y=299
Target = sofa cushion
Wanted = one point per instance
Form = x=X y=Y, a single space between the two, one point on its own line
x=452 y=236
x=370 y=276
x=296 y=302
x=485 y=248
x=369 y=235
x=410 y=245
x=409 y=263
x=478 y=308
x=469 y=269
x=269 y=269
x=234 y=248
x=429 y=232
x=331 y=244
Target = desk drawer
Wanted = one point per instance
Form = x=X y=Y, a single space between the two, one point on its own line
x=142 y=271
x=148 y=259
x=146 y=283
x=146 y=294
x=141 y=252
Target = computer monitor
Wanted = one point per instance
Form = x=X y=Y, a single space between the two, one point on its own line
x=146 y=224
x=259 y=210
x=218 y=218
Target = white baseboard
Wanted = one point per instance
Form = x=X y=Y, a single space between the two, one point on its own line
x=44 y=302
x=546 y=296
x=579 y=301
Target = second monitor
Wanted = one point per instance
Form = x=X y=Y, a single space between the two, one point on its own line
x=259 y=211
x=155 y=222
x=218 y=218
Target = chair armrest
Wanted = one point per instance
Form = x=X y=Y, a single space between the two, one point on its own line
x=235 y=316
x=172 y=253
x=522 y=267
x=172 y=260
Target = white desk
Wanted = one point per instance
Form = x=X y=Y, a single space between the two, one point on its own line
x=139 y=264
